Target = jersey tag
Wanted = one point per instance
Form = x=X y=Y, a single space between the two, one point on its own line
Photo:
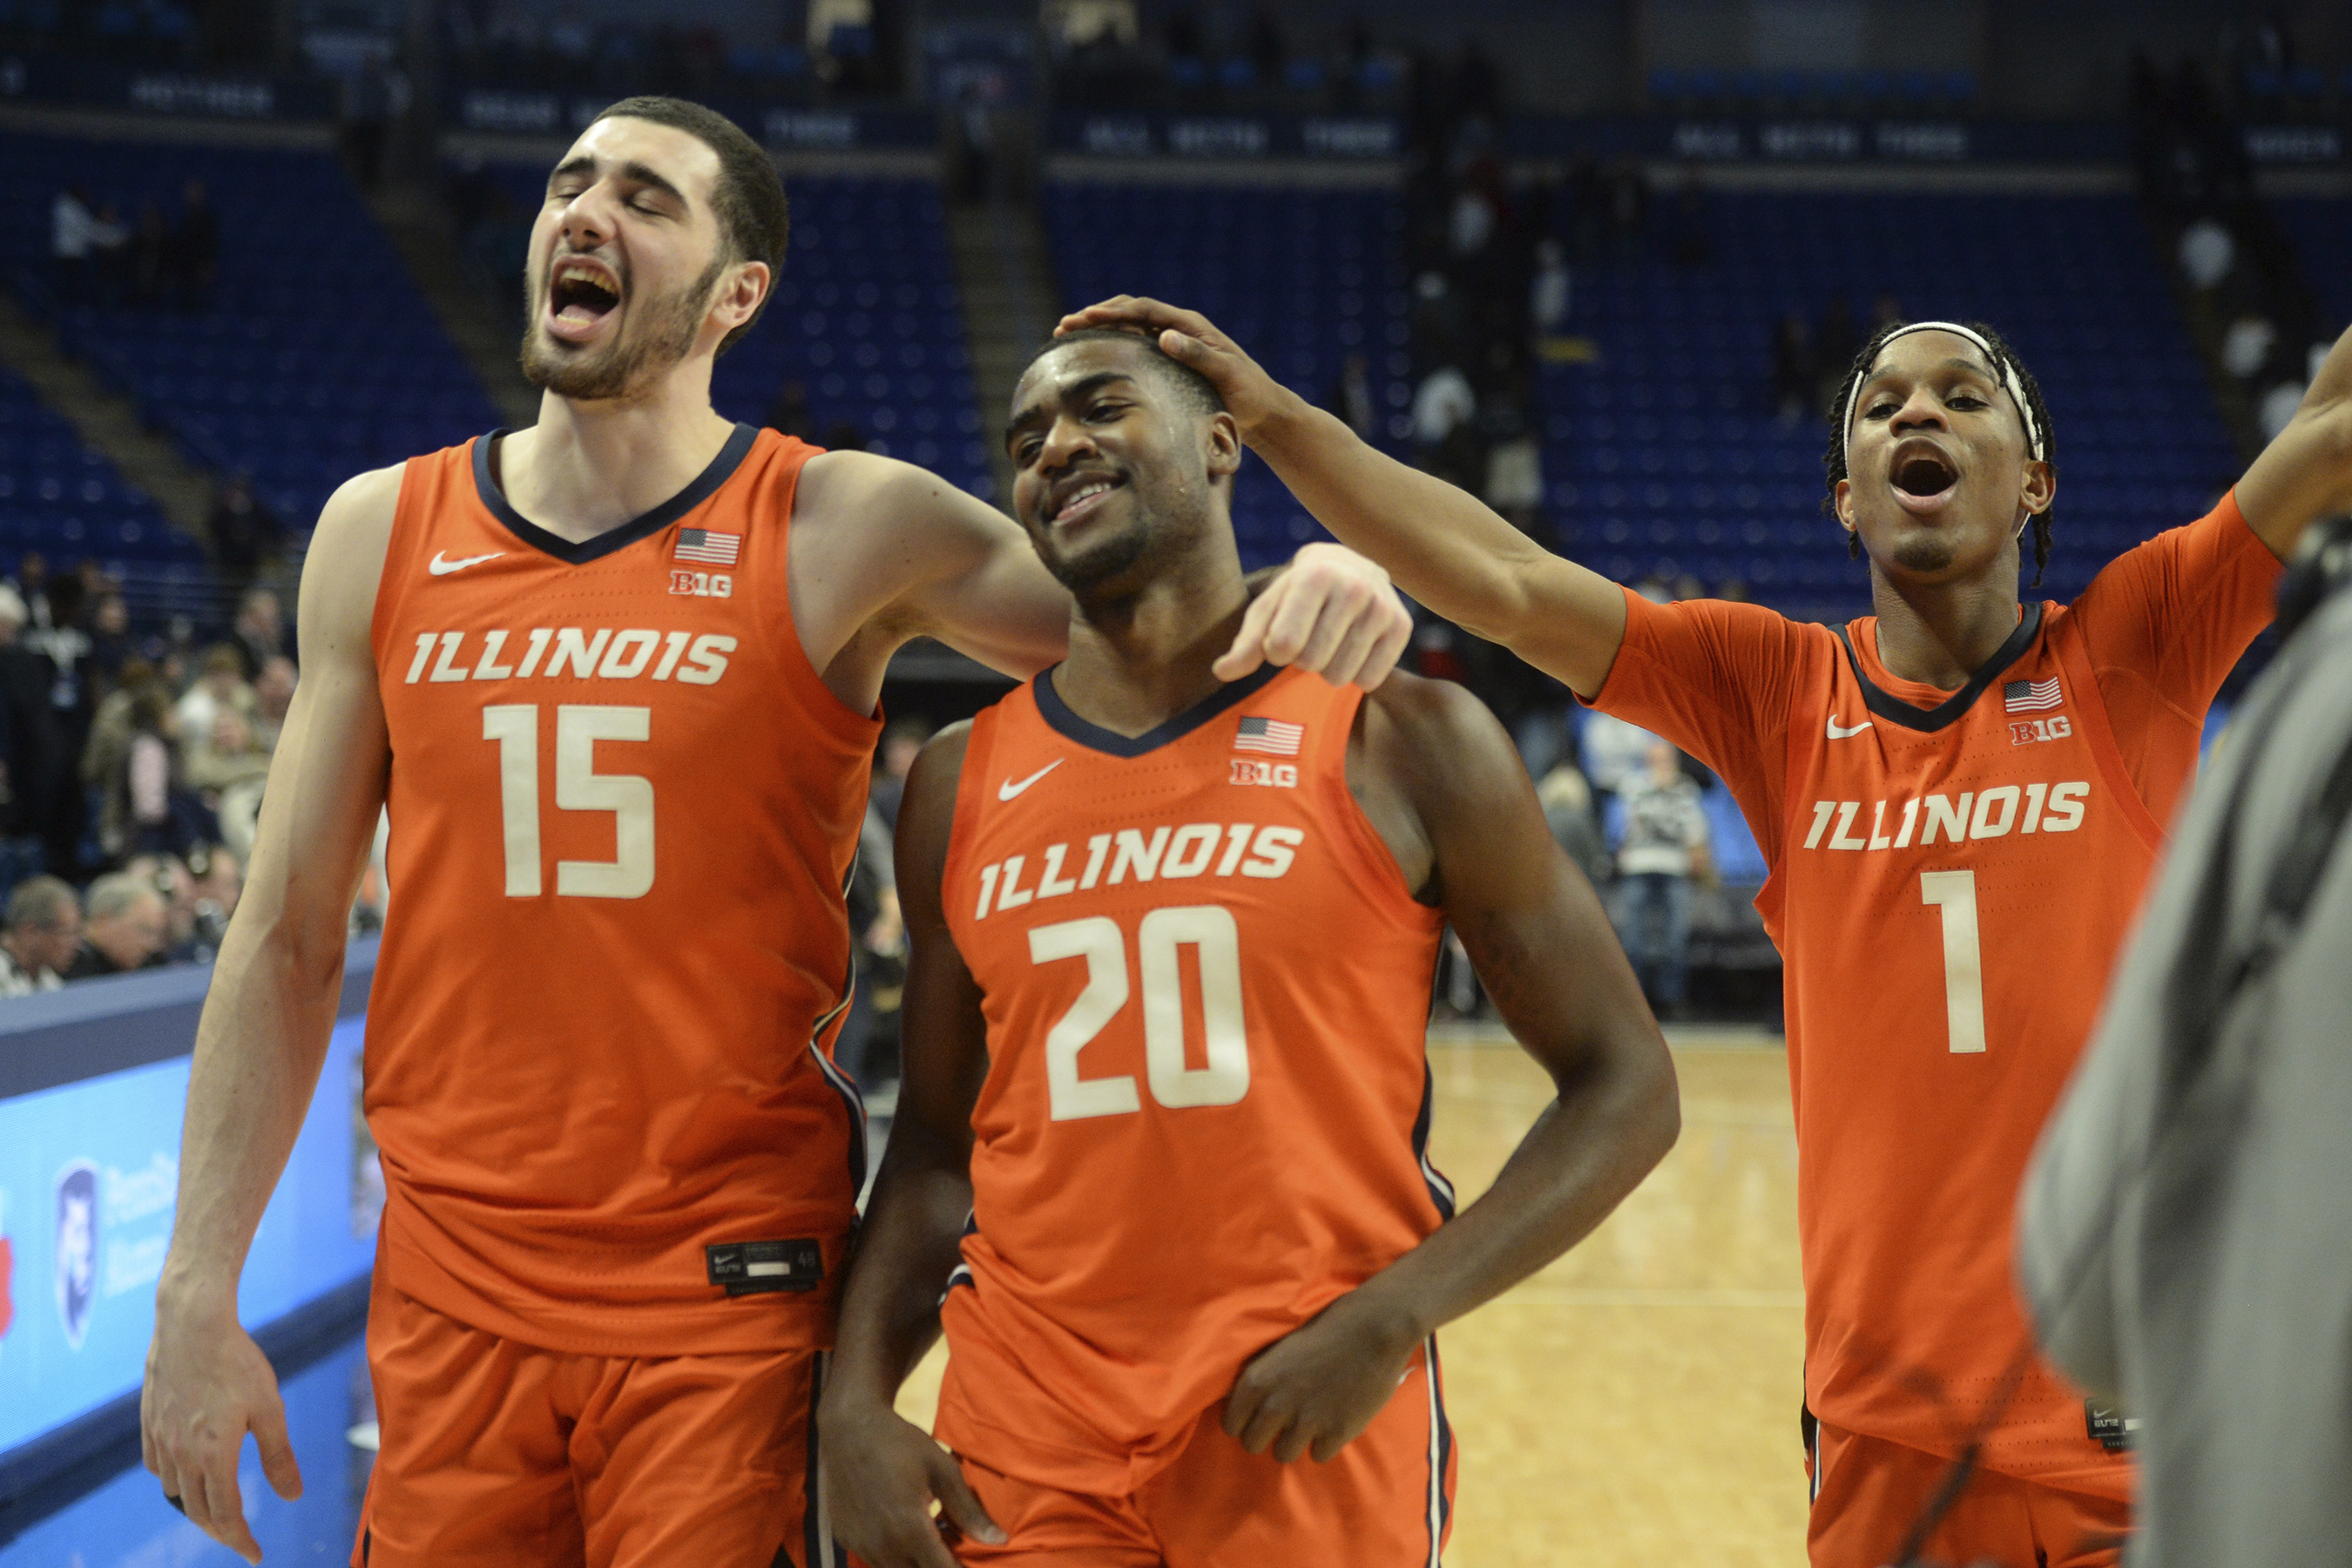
x=752 y=1268
x=2111 y=1429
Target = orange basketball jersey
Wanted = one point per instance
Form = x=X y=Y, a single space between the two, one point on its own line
x=623 y=808
x=1206 y=986
x=1952 y=877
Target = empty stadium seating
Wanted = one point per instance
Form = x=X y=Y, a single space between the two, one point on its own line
x=65 y=501
x=1301 y=278
x=864 y=317
x=317 y=356
x=1663 y=454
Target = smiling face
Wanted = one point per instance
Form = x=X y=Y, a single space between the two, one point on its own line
x=1938 y=477
x=629 y=274
x=1116 y=470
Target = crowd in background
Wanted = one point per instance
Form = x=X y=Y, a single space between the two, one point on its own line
x=132 y=766
x=99 y=257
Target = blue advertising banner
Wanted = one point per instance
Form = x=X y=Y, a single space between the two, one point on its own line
x=88 y=1177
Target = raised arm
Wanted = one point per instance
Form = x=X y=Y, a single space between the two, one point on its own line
x=881 y=1471
x=1444 y=546
x=884 y=552
x=1441 y=781
x=264 y=1031
x=2306 y=473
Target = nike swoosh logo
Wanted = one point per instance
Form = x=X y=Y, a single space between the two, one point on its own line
x=440 y=568
x=1838 y=734
x=1008 y=789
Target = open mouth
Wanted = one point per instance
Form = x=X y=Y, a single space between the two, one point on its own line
x=1923 y=474
x=580 y=294
x=1081 y=498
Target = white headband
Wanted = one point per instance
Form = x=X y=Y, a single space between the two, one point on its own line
x=2000 y=362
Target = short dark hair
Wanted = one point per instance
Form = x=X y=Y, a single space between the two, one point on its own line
x=1193 y=390
x=2033 y=415
x=754 y=218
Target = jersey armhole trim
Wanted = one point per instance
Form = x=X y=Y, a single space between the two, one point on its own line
x=970 y=779
x=1945 y=714
x=1375 y=865
x=2091 y=708
x=779 y=630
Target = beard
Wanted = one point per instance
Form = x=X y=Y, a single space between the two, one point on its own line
x=1105 y=560
x=1932 y=552
x=664 y=337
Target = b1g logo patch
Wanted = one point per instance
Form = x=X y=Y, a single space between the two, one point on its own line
x=1274 y=775
x=702 y=584
x=2025 y=732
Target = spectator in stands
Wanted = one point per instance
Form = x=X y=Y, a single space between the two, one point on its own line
x=72 y=238
x=110 y=254
x=177 y=885
x=111 y=642
x=1795 y=376
x=1664 y=849
x=150 y=248
x=1351 y=399
x=273 y=693
x=29 y=743
x=2246 y=345
x=1567 y=801
x=1551 y=292
x=43 y=932
x=142 y=805
x=1614 y=752
x=1443 y=404
x=195 y=248
x=32 y=584
x=219 y=884
x=902 y=742
x=221 y=686
x=123 y=927
x=243 y=532
x=260 y=630
x=227 y=755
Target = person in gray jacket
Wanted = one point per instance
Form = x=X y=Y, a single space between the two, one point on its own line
x=2185 y=1239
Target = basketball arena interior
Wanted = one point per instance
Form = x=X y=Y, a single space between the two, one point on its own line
x=1603 y=263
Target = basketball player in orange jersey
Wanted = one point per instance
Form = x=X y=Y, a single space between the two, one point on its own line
x=1960 y=798
x=615 y=678
x=1173 y=939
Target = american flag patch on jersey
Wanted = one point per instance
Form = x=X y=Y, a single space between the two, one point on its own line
x=2032 y=696
x=710 y=548
x=1273 y=736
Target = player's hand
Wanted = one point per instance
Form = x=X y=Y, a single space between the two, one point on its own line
x=882 y=1474
x=1251 y=397
x=1330 y=610
x=1319 y=1386
x=207 y=1386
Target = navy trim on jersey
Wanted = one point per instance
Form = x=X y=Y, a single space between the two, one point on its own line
x=816 y=1526
x=1927 y=721
x=1057 y=713
x=579 y=552
x=1441 y=1191
x=1441 y=1454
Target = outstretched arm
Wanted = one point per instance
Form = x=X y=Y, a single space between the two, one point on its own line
x=1442 y=783
x=264 y=1031
x=882 y=552
x=1444 y=546
x=2306 y=473
x=881 y=1471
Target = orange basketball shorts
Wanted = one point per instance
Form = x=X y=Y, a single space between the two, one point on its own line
x=1868 y=1493
x=1386 y=1497
x=496 y=1454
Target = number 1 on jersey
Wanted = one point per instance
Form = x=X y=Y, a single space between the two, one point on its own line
x=1955 y=894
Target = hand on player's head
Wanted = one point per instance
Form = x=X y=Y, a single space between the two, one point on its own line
x=1191 y=339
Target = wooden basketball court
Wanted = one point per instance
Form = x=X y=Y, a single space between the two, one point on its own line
x=1636 y=1403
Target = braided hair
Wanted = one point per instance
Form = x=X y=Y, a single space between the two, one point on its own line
x=2005 y=363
